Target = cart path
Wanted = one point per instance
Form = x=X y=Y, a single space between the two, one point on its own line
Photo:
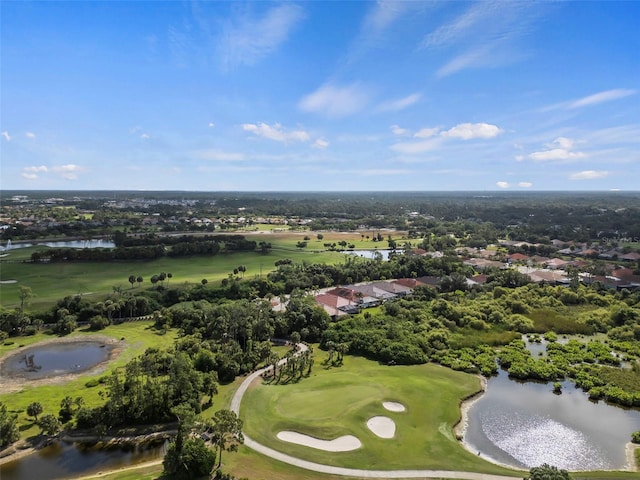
x=349 y=472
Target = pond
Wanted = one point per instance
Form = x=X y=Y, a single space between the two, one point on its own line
x=93 y=243
x=65 y=459
x=369 y=253
x=52 y=359
x=525 y=424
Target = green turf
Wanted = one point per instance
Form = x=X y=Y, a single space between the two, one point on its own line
x=51 y=282
x=339 y=401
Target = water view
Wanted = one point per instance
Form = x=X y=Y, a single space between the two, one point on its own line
x=93 y=243
x=52 y=359
x=382 y=254
x=66 y=459
x=525 y=425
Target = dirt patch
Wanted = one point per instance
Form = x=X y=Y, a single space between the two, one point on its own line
x=10 y=384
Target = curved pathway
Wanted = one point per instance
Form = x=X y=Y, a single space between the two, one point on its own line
x=349 y=472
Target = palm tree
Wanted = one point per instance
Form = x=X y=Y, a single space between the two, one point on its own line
x=34 y=409
x=227 y=432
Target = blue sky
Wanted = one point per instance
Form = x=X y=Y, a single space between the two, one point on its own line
x=217 y=96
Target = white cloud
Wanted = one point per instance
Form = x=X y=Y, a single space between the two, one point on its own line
x=6 y=136
x=519 y=158
x=397 y=130
x=335 y=101
x=601 y=97
x=383 y=171
x=589 y=175
x=555 y=154
x=525 y=184
x=320 y=143
x=399 y=104
x=247 y=40
x=384 y=13
x=502 y=184
x=218 y=156
x=468 y=131
x=426 y=132
x=434 y=137
x=41 y=168
x=477 y=57
x=144 y=136
x=69 y=171
x=211 y=124
x=460 y=27
x=276 y=132
x=559 y=149
x=32 y=173
x=486 y=34
x=30 y=135
x=414 y=148
x=564 y=142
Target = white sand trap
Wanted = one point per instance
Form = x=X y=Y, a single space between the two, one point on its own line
x=394 y=406
x=7 y=282
x=346 y=443
x=383 y=427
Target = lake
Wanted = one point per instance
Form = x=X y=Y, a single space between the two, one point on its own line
x=525 y=424
x=93 y=243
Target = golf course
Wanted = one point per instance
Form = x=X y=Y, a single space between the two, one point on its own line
x=338 y=401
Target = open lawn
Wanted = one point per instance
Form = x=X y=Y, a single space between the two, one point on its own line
x=53 y=281
x=138 y=337
x=339 y=401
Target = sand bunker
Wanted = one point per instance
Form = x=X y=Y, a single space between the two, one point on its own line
x=346 y=443
x=394 y=406
x=383 y=427
x=7 y=282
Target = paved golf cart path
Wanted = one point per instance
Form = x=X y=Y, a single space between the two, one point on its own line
x=349 y=472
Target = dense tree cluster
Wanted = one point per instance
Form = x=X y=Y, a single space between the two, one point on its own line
x=148 y=389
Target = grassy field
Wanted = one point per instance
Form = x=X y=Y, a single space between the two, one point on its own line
x=51 y=282
x=339 y=401
x=138 y=337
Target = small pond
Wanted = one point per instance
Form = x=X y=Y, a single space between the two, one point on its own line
x=65 y=459
x=525 y=425
x=57 y=358
x=384 y=254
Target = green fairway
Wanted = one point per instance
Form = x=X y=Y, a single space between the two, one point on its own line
x=53 y=281
x=339 y=401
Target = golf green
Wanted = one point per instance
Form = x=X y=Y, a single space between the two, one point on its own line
x=339 y=401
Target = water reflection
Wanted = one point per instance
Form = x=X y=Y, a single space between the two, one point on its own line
x=65 y=459
x=525 y=425
x=382 y=254
x=58 y=358
x=93 y=243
